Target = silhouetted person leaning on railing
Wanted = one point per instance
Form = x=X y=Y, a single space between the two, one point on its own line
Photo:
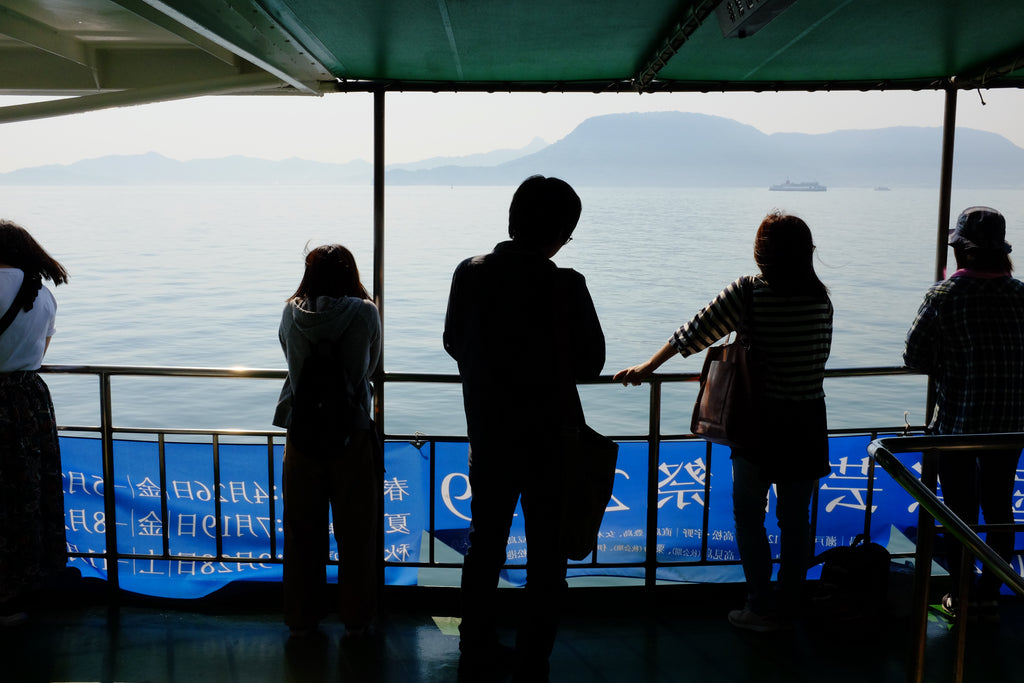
x=789 y=319
x=969 y=338
x=513 y=319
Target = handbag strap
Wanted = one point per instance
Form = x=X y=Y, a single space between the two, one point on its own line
x=571 y=404
x=744 y=332
x=20 y=299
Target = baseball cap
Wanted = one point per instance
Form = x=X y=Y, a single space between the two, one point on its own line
x=980 y=227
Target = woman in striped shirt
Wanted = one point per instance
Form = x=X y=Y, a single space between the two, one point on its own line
x=791 y=327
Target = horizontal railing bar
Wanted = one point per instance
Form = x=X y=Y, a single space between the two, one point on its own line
x=443 y=438
x=164 y=371
x=436 y=438
x=418 y=377
x=959 y=442
x=878 y=371
x=188 y=432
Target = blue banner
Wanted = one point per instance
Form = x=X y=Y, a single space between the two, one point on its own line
x=183 y=505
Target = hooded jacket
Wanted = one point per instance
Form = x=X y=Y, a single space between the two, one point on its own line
x=354 y=320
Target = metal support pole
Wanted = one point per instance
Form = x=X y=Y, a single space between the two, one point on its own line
x=942 y=230
x=378 y=247
x=378 y=299
x=945 y=184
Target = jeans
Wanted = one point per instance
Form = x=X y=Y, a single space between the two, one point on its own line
x=792 y=510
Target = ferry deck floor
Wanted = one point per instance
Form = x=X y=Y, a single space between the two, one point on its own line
x=682 y=636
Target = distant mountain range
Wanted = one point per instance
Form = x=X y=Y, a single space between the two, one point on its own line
x=663 y=149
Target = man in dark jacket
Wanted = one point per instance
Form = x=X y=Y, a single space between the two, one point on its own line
x=523 y=332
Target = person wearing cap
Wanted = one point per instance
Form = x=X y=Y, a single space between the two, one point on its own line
x=968 y=336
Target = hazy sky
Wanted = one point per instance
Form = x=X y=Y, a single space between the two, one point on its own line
x=339 y=127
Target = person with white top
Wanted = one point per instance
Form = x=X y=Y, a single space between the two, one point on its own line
x=32 y=542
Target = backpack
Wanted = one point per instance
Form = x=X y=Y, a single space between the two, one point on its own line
x=854 y=578
x=325 y=411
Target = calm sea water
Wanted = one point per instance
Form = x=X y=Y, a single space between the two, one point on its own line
x=194 y=276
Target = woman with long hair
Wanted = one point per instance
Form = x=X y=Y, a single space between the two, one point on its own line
x=330 y=314
x=32 y=542
x=790 y=322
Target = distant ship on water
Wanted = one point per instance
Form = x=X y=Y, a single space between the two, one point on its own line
x=798 y=187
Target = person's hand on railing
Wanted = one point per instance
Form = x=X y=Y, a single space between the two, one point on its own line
x=634 y=375
x=638 y=373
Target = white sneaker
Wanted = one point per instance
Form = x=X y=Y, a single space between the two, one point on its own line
x=752 y=621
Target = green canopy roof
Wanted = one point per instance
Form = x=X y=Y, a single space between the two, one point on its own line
x=660 y=44
x=128 y=51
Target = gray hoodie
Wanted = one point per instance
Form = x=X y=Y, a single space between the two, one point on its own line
x=352 y=319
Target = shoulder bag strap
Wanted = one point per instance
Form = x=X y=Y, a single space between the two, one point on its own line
x=745 y=333
x=16 y=304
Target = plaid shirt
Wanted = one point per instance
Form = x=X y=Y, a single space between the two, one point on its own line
x=969 y=337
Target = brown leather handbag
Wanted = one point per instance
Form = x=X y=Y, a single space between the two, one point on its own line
x=727 y=408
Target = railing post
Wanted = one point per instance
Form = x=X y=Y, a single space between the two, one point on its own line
x=109 y=501
x=922 y=571
x=653 y=455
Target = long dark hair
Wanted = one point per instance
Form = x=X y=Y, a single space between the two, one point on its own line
x=330 y=271
x=18 y=249
x=784 y=251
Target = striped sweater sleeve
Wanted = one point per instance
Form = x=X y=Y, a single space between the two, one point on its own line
x=792 y=336
x=713 y=322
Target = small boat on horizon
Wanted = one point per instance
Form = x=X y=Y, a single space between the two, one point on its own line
x=798 y=187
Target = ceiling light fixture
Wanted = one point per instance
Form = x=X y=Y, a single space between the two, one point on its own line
x=744 y=18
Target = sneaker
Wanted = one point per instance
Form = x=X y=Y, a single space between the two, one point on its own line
x=949 y=605
x=752 y=621
x=985 y=611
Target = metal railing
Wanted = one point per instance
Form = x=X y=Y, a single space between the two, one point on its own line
x=931 y=510
x=654 y=438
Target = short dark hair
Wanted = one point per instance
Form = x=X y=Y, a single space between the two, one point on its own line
x=544 y=211
x=330 y=271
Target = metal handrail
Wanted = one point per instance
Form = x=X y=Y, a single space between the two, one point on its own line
x=884 y=450
x=440 y=378
x=932 y=510
x=651 y=563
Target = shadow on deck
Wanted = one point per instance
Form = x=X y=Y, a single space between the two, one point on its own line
x=608 y=634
